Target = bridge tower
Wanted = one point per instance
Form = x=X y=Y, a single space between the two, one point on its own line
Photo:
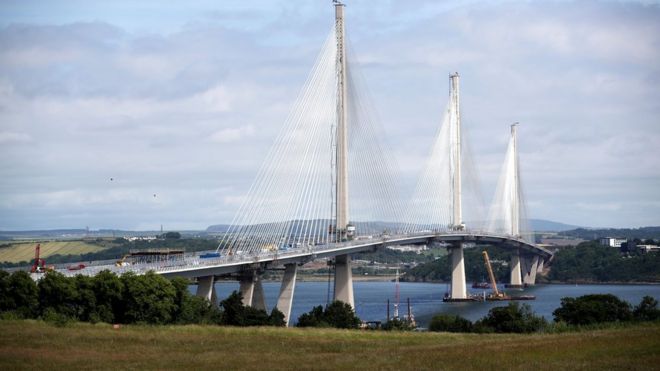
x=343 y=275
x=458 y=289
x=516 y=271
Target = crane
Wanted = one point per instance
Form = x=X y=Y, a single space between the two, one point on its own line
x=39 y=265
x=496 y=293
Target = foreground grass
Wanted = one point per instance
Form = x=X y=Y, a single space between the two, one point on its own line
x=24 y=251
x=33 y=344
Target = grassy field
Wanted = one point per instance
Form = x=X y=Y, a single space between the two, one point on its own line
x=24 y=251
x=36 y=345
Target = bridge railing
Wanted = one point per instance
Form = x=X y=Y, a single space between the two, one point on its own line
x=194 y=260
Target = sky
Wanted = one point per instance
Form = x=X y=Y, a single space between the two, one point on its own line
x=133 y=115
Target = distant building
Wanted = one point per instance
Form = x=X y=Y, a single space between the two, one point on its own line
x=648 y=248
x=612 y=242
x=408 y=248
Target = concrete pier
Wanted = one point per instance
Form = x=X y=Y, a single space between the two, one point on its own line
x=206 y=289
x=285 y=300
x=458 y=289
x=516 y=275
x=344 y=280
x=539 y=268
x=252 y=290
x=531 y=266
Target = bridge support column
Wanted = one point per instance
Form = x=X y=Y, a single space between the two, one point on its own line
x=206 y=289
x=516 y=277
x=531 y=265
x=458 y=289
x=344 y=280
x=539 y=268
x=252 y=290
x=285 y=300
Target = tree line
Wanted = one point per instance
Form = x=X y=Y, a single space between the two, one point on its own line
x=126 y=299
x=587 y=310
x=591 y=262
x=587 y=262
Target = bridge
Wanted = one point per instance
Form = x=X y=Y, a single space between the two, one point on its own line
x=299 y=207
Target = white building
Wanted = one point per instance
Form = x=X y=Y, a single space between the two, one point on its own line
x=648 y=248
x=612 y=242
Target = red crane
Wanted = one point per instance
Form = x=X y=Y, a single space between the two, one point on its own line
x=39 y=265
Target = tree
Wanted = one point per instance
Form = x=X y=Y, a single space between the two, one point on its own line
x=276 y=318
x=338 y=314
x=450 y=323
x=172 y=236
x=58 y=294
x=108 y=289
x=512 y=318
x=341 y=315
x=232 y=308
x=314 y=318
x=647 y=310
x=19 y=293
x=148 y=298
x=85 y=303
x=237 y=314
x=590 y=309
x=6 y=302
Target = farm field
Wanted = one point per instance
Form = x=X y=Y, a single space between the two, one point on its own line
x=34 y=344
x=24 y=251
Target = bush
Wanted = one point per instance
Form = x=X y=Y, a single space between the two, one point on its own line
x=314 y=318
x=512 y=318
x=397 y=324
x=58 y=319
x=338 y=314
x=591 y=309
x=450 y=323
x=647 y=310
x=237 y=314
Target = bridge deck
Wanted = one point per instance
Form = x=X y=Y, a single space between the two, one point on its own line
x=193 y=265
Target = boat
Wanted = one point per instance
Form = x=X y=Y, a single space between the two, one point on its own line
x=480 y=285
x=496 y=295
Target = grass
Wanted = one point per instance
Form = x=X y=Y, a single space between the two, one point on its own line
x=24 y=251
x=34 y=344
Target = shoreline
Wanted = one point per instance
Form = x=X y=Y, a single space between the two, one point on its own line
x=595 y=283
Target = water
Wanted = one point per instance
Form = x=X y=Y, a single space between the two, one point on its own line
x=426 y=298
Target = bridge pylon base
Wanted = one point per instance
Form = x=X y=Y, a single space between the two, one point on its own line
x=285 y=300
x=344 y=280
x=458 y=286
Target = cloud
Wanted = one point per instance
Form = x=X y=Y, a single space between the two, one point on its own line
x=149 y=107
x=232 y=134
x=9 y=137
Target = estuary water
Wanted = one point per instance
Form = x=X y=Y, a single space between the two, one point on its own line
x=426 y=298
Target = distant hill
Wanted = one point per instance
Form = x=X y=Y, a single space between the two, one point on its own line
x=217 y=228
x=642 y=233
x=541 y=225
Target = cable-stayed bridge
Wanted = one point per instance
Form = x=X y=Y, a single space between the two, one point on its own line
x=329 y=188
